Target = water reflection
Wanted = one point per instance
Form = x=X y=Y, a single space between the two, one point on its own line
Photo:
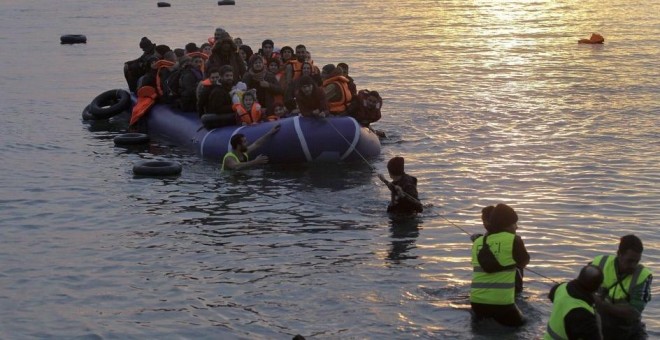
x=404 y=232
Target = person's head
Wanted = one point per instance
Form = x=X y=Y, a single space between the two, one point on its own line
x=308 y=56
x=219 y=33
x=245 y=52
x=279 y=109
x=590 y=278
x=180 y=52
x=267 y=48
x=300 y=52
x=170 y=56
x=629 y=253
x=306 y=84
x=396 y=167
x=162 y=49
x=238 y=41
x=286 y=52
x=206 y=48
x=503 y=218
x=256 y=63
x=227 y=45
x=373 y=100
x=227 y=75
x=306 y=69
x=249 y=98
x=214 y=75
x=146 y=45
x=327 y=71
x=344 y=68
x=238 y=142
x=273 y=65
x=191 y=47
x=198 y=62
x=485 y=216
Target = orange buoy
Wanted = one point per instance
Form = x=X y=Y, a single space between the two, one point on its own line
x=594 y=39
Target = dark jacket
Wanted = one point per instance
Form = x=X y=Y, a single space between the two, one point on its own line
x=190 y=77
x=265 y=95
x=316 y=101
x=219 y=100
x=404 y=205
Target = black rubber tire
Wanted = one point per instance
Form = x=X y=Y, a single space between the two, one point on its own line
x=110 y=103
x=86 y=115
x=69 y=39
x=226 y=2
x=157 y=168
x=131 y=138
x=164 y=4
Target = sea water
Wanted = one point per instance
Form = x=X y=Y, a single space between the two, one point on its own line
x=487 y=101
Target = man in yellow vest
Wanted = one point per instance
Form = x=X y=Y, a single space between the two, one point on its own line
x=238 y=158
x=625 y=291
x=492 y=293
x=573 y=314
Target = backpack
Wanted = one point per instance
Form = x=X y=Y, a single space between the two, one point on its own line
x=172 y=86
x=488 y=261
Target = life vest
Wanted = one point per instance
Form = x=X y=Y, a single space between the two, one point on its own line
x=272 y=118
x=146 y=98
x=494 y=288
x=340 y=105
x=619 y=292
x=562 y=305
x=231 y=154
x=161 y=64
x=253 y=117
x=296 y=66
x=594 y=39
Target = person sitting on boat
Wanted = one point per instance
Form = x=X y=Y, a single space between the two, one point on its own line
x=365 y=107
x=267 y=51
x=351 y=82
x=404 y=198
x=279 y=112
x=336 y=89
x=204 y=89
x=289 y=94
x=293 y=67
x=308 y=58
x=310 y=99
x=219 y=110
x=224 y=52
x=135 y=69
x=238 y=157
x=206 y=49
x=266 y=85
x=249 y=110
x=245 y=52
x=218 y=34
x=192 y=73
x=238 y=41
x=492 y=292
x=191 y=47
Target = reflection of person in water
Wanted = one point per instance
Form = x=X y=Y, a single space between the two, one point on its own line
x=404 y=235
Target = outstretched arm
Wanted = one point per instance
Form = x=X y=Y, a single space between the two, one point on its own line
x=257 y=143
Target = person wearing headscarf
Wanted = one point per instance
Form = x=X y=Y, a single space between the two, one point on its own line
x=224 y=52
x=257 y=77
x=310 y=99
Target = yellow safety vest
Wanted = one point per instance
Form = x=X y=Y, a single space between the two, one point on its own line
x=562 y=305
x=619 y=291
x=494 y=288
x=232 y=155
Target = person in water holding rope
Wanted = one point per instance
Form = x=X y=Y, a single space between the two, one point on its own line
x=573 y=314
x=485 y=219
x=625 y=291
x=495 y=257
x=404 y=198
x=237 y=157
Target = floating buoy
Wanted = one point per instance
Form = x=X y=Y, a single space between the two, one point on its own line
x=164 y=4
x=86 y=115
x=157 y=168
x=73 y=39
x=594 y=39
x=131 y=138
x=226 y=2
x=110 y=103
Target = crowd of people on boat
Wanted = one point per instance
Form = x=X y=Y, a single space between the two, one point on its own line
x=227 y=83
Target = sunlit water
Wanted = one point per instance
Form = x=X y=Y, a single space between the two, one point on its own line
x=488 y=101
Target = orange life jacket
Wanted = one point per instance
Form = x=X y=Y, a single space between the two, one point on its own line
x=272 y=118
x=161 y=64
x=146 y=97
x=296 y=66
x=342 y=104
x=253 y=117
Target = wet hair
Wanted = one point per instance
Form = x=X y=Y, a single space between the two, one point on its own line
x=590 y=278
x=236 y=140
x=630 y=242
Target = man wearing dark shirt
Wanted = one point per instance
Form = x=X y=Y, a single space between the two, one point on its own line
x=404 y=199
x=573 y=314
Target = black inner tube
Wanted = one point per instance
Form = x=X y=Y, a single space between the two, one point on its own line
x=110 y=103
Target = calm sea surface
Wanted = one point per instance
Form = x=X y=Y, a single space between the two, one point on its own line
x=488 y=101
